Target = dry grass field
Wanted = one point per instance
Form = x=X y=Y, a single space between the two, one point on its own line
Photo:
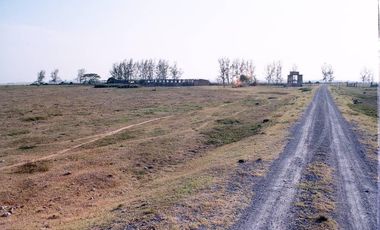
x=177 y=158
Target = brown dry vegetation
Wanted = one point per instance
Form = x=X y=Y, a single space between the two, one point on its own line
x=177 y=172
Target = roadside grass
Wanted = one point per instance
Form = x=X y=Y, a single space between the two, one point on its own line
x=363 y=115
x=366 y=109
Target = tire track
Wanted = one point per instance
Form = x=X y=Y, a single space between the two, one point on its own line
x=92 y=138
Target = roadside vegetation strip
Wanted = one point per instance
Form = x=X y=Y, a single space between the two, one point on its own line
x=95 y=138
x=363 y=122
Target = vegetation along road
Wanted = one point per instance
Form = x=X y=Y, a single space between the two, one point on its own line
x=322 y=175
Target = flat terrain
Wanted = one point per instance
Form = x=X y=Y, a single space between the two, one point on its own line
x=86 y=158
x=324 y=179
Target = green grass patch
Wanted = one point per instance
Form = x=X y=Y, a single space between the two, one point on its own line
x=364 y=109
x=304 y=89
x=230 y=130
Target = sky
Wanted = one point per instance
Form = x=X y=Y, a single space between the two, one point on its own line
x=94 y=34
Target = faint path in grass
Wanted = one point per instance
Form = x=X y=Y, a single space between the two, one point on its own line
x=92 y=139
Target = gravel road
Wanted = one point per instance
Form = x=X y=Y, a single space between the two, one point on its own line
x=321 y=129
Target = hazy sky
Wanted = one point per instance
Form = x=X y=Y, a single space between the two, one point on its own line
x=90 y=34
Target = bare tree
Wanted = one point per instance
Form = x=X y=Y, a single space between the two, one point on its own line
x=270 y=71
x=175 y=72
x=366 y=75
x=162 y=69
x=278 y=72
x=224 y=70
x=54 y=76
x=243 y=66
x=129 y=69
x=251 y=71
x=236 y=68
x=151 y=66
x=327 y=73
x=117 y=71
x=41 y=76
x=80 y=75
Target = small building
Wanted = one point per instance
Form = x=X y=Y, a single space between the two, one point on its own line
x=295 y=79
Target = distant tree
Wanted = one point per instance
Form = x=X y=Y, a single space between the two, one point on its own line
x=327 y=73
x=251 y=71
x=117 y=71
x=81 y=72
x=244 y=78
x=224 y=70
x=137 y=70
x=54 y=76
x=236 y=69
x=151 y=66
x=175 y=72
x=278 y=72
x=366 y=75
x=129 y=69
x=270 y=71
x=243 y=67
x=90 y=78
x=41 y=76
x=162 y=69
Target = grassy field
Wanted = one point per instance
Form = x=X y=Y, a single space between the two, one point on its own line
x=362 y=115
x=179 y=158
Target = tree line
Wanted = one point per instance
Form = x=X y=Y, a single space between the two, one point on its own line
x=243 y=70
x=146 y=69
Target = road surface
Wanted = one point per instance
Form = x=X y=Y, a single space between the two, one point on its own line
x=321 y=129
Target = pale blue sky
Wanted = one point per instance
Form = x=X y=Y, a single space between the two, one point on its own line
x=91 y=34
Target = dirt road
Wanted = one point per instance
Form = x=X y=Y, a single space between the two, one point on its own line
x=321 y=131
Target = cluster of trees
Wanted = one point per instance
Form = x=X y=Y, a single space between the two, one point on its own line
x=147 y=69
x=366 y=75
x=82 y=77
x=238 y=69
x=273 y=73
x=54 y=78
